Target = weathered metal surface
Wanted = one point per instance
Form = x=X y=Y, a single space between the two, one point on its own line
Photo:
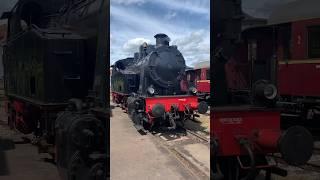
x=55 y=61
x=159 y=66
x=45 y=67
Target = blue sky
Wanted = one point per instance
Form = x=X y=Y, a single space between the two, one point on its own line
x=186 y=22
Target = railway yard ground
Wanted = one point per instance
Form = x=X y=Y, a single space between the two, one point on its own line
x=19 y=159
x=310 y=171
x=182 y=154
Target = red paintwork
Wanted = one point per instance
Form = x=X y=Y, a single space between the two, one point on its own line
x=168 y=101
x=300 y=38
x=21 y=121
x=199 y=79
x=118 y=97
x=203 y=73
x=262 y=128
x=18 y=106
x=235 y=74
x=299 y=79
x=203 y=86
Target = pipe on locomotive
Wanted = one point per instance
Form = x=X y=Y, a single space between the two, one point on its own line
x=162 y=40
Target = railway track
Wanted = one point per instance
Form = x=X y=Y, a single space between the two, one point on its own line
x=174 y=141
x=173 y=147
x=198 y=136
x=313 y=165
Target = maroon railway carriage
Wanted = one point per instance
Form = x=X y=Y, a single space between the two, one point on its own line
x=199 y=77
x=298 y=54
x=245 y=121
x=285 y=51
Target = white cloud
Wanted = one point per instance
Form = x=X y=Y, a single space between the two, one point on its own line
x=143 y=21
x=132 y=25
x=170 y=15
x=128 y=2
x=132 y=45
x=199 y=6
x=194 y=46
x=111 y=39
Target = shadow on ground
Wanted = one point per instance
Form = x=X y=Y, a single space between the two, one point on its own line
x=5 y=145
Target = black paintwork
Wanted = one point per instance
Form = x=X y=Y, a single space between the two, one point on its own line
x=57 y=61
x=160 y=66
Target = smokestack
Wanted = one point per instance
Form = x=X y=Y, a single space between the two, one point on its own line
x=162 y=40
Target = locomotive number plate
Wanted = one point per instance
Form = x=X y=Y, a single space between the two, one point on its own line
x=231 y=120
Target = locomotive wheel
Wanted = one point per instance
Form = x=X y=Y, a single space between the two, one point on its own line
x=181 y=123
x=76 y=167
x=147 y=126
x=135 y=118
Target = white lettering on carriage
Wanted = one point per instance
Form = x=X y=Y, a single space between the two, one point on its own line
x=231 y=120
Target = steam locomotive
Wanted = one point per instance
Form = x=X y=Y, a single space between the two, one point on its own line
x=55 y=82
x=148 y=86
x=245 y=122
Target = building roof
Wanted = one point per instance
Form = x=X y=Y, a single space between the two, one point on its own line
x=201 y=64
x=250 y=21
x=295 y=11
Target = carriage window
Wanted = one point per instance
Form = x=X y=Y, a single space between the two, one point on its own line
x=198 y=74
x=208 y=74
x=314 y=42
x=188 y=77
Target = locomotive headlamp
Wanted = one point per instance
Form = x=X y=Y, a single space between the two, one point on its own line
x=270 y=91
x=193 y=90
x=151 y=90
x=263 y=90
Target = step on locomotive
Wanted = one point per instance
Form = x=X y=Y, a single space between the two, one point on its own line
x=148 y=86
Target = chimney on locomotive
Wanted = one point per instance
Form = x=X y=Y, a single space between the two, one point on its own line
x=162 y=40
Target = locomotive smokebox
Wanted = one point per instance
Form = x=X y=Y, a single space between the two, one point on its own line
x=162 y=40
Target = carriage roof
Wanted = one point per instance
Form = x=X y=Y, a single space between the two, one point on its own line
x=295 y=11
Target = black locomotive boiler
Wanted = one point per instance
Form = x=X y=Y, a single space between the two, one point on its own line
x=54 y=76
x=148 y=86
